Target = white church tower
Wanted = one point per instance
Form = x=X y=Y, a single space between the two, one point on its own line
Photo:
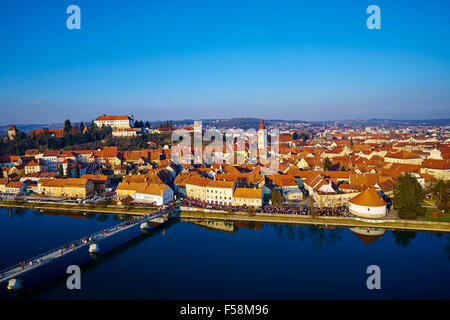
x=262 y=137
x=197 y=127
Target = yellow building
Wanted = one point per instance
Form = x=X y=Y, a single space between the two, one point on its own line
x=219 y=192
x=333 y=200
x=439 y=169
x=34 y=167
x=125 y=189
x=248 y=197
x=3 y=183
x=196 y=188
x=19 y=170
x=404 y=157
x=69 y=188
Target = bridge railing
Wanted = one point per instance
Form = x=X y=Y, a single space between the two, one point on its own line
x=94 y=235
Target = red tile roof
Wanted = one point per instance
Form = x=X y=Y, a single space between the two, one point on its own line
x=436 y=164
x=247 y=193
x=112 y=118
x=401 y=155
x=110 y=152
x=14 y=184
x=368 y=198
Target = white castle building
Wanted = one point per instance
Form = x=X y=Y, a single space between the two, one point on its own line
x=115 y=121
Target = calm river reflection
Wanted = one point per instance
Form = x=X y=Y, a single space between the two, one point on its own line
x=205 y=259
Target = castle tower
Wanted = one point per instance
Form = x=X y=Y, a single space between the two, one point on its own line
x=12 y=132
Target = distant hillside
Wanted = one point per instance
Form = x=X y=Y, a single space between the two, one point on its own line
x=428 y=122
x=246 y=123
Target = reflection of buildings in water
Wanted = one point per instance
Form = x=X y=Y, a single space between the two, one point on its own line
x=218 y=225
x=223 y=225
x=248 y=225
x=70 y=214
x=325 y=226
x=89 y=215
x=368 y=235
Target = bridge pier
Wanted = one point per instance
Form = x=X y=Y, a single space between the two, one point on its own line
x=94 y=248
x=14 y=284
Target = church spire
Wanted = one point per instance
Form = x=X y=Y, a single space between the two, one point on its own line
x=261 y=125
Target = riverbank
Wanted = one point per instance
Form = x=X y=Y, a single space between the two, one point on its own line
x=190 y=212
x=75 y=207
x=413 y=225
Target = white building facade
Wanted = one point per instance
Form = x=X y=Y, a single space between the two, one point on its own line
x=159 y=196
x=114 y=121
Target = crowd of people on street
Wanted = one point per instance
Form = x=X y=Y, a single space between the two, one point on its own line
x=295 y=209
x=306 y=210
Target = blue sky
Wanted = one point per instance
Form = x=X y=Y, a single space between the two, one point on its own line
x=306 y=60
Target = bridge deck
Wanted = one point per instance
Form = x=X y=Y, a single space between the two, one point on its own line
x=49 y=256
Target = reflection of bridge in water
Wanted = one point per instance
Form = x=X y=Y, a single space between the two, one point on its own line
x=92 y=264
x=33 y=271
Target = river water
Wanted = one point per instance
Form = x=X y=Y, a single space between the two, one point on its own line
x=204 y=259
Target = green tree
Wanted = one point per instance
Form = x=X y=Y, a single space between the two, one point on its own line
x=67 y=126
x=327 y=164
x=441 y=194
x=276 y=197
x=81 y=126
x=69 y=170
x=1 y=173
x=127 y=201
x=304 y=136
x=408 y=197
x=94 y=131
x=60 y=171
x=76 y=171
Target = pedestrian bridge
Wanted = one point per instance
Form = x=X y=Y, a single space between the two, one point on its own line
x=93 y=243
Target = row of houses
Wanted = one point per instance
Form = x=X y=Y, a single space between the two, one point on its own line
x=224 y=192
x=47 y=185
x=80 y=162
